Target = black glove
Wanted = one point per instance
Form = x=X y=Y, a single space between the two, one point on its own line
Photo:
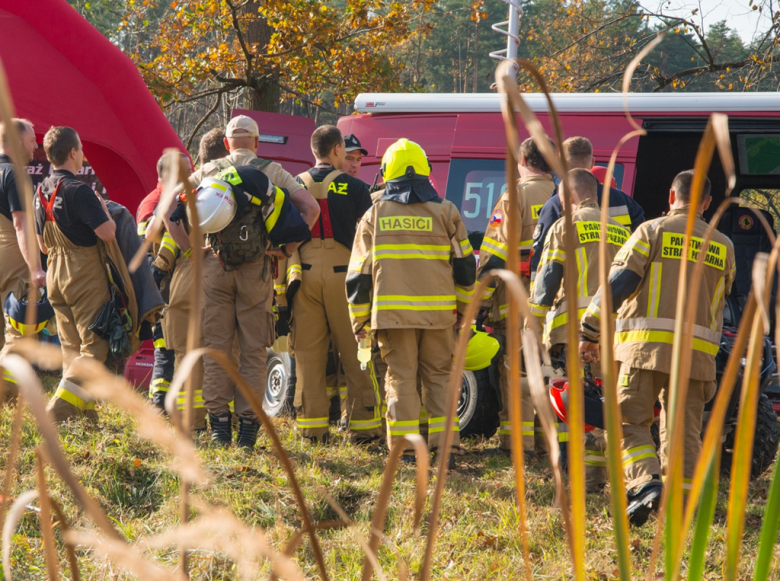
x=482 y=316
x=158 y=275
x=292 y=289
x=282 y=321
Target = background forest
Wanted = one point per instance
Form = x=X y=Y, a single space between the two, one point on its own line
x=203 y=57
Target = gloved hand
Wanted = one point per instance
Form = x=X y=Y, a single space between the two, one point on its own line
x=482 y=316
x=158 y=275
x=282 y=322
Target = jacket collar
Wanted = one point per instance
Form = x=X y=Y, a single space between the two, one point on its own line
x=587 y=204
x=410 y=191
x=684 y=210
x=545 y=177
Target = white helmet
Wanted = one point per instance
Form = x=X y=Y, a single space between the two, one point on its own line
x=216 y=205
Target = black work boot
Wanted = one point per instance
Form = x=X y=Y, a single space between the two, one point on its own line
x=247 y=432
x=221 y=428
x=644 y=502
x=158 y=399
x=450 y=464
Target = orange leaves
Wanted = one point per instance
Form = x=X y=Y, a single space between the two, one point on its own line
x=311 y=47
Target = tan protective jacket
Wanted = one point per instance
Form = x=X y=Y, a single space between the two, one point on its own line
x=644 y=279
x=533 y=192
x=548 y=300
x=412 y=266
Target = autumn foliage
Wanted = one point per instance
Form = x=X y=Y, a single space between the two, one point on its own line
x=270 y=49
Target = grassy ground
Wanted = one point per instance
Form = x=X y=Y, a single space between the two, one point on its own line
x=478 y=538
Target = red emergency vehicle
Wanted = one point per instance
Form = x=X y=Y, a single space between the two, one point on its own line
x=463 y=135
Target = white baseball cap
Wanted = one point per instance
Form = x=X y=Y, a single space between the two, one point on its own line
x=241 y=125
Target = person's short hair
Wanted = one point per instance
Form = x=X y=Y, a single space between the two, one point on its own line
x=682 y=186
x=578 y=150
x=584 y=183
x=58 y=142
x=324 y=139
x=533 y=156
x=22 y=125
x=161 y=164
x=212 y=146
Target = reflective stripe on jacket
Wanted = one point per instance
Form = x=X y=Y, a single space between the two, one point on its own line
x=644 y=331
x=412 y=266
x=533 y=192
x=548 y=300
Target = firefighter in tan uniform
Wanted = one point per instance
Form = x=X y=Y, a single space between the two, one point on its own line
x=241 y=141
x=412 y=271
x=320 y=308
x=245 y=216
x=162 y=269
x=549 y=302
x=71 y=219
x=644 y=282
x=16 y=258
x=533 y=190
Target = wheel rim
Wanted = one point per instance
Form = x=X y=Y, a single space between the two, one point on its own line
x=276 y=385
x=465 y=403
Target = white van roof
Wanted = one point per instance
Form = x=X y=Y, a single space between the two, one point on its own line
x=378 y=103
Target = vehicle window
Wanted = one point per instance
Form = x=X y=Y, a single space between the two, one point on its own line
x=475 y=185
x=759 y=154
x=766 y=199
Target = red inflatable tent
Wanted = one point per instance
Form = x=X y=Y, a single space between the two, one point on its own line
x=62 y=71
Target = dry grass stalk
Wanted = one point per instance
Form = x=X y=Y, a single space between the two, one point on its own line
x=70 y=552
x=150 y=423
x=613 y=417
x=385 y=491
x=31 y=391
x=44 y=518
x=185 y=369
x=23 y=183
x=504 y=78
x=10 y=523
x=746 y=424
x=123 y=555
x=576 y=409
x=218 y=530
x=349 y=523
x=541 y=397
x=10 y=458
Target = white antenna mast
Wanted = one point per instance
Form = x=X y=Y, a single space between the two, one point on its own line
x=509 y=28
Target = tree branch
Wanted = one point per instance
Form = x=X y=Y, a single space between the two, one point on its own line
x=208 y=114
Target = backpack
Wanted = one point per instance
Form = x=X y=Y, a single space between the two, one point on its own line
x=245 y=238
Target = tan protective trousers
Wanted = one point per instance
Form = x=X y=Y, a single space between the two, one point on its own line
x=14 y=277
x=175 y=324
x=236 y=302
x=321 y=315
x=78 y=289
x=413 y=356
x=638 y=390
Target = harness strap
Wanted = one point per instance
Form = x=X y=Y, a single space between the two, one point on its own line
x=319 y=191
x=49 y=206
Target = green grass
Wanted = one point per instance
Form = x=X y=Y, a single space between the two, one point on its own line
x=478 y=537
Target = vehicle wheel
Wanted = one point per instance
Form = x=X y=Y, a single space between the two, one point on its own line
x=765 y=442
x=478 y=406
x=280 y=386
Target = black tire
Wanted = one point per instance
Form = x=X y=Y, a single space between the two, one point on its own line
x=280 y=385
x=764 y=445
x=478 y=405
